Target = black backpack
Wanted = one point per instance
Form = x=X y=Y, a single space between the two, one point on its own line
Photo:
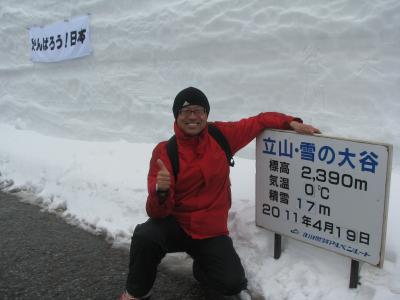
x=172 y=148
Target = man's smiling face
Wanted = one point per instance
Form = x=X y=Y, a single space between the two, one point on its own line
x=192 y=119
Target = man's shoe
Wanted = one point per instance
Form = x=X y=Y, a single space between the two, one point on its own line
x=126 y=296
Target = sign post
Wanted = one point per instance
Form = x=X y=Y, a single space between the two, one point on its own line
x=325 y=191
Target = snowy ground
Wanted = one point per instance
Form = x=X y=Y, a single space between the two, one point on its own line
x=77 y=135
x=101 y=187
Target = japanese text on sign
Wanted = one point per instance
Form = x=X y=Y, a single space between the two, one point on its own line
x=326 y=191
x=61 y=40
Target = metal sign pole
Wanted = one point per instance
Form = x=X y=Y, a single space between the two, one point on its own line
x=354 y=272
x=277 y=246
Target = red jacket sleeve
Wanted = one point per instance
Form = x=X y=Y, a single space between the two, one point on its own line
x=155 y=206
x=242 y=132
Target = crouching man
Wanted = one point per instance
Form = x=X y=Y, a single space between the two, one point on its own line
x=189 y=199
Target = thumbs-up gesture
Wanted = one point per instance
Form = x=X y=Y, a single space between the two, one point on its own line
x=163 y=177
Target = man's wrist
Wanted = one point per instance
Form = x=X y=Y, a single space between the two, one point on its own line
x=293 y=124
x=162 y=194
x=158 y=190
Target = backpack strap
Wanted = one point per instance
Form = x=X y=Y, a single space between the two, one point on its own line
x=172 y=148
x=221 y=140
x=172 y=151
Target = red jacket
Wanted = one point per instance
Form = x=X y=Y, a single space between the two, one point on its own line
x=201 y=196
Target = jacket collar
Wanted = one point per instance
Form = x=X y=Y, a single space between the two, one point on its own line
x=197 y=142
x=180 y=135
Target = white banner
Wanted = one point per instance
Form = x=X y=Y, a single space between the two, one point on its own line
x=60 y=41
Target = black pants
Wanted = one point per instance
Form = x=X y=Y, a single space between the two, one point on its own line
x=215 y=261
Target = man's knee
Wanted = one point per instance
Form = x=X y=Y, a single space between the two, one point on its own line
x=145 y=241
x=147 y=229
x=229 y=283
x=232 y=284
x=151 y=231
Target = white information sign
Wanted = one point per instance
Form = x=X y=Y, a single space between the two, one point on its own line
x=60 y=41
x=325 y=191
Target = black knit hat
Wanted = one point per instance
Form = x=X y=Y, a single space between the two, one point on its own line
x=190 y=96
